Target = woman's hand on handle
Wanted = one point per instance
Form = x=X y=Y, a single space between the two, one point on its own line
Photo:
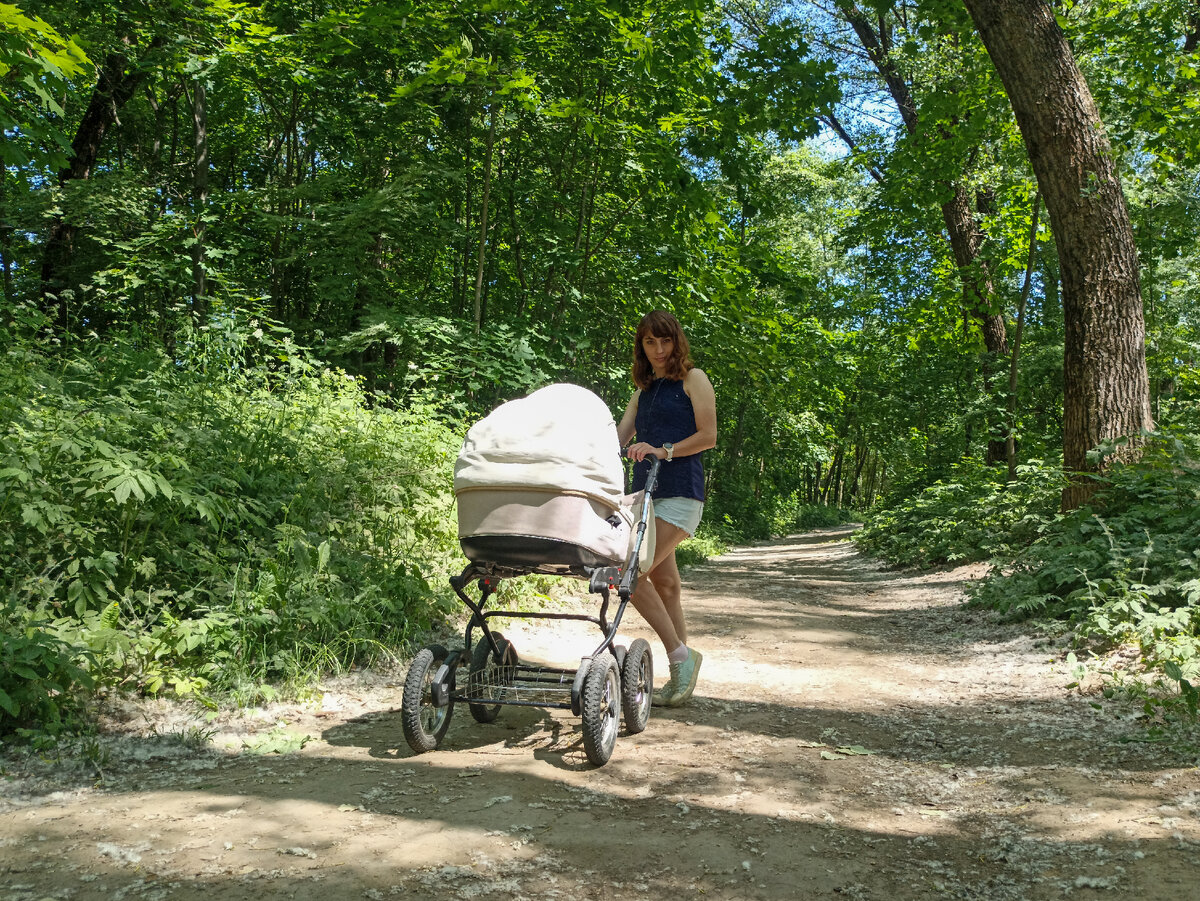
x=641 y=450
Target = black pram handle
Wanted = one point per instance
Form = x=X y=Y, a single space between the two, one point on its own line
x=629 y=577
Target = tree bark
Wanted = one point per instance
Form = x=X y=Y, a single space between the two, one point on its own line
x=477 y=307
x=1010 y=443
x=199 y=200
x=6 y=230
x=1106 y=390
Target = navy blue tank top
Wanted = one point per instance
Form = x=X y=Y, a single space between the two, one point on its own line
x=665 y=413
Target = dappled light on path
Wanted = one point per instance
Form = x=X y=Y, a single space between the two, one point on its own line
x=856 y=733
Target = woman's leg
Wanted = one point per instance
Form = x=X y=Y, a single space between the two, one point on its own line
x=663 y=612
x=665 y=574
x=647 y=602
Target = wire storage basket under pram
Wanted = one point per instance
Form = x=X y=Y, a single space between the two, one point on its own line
x=540 y=488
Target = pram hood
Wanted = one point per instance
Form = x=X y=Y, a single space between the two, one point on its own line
x=561 y=438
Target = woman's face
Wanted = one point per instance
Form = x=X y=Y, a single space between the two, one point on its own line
x=658 y=351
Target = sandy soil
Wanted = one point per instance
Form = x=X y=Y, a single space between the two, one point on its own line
x=856 y=734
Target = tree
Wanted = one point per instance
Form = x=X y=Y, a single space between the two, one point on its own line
x=937 y=126
x=117 y=80
x=1106 y=388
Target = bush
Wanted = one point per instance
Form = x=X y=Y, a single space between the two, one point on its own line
x=232 y=514
x=1124 y=568
x=699 y=547
x=1123 y=571
x=973 y=515
x=40 y=676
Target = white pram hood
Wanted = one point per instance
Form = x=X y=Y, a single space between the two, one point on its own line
x=560 y=438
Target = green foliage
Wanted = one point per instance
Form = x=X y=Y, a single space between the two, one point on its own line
x=973 y=515
x=234 y=514
x=1126 y=561
x=1123 y=570
x=41 y=676
x=449 y=368
x=699 y=547
x=36 y=66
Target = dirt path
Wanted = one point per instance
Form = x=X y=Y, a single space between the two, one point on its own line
x=967 y=771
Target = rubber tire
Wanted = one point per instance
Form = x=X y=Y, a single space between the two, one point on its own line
x=637 y=686
x=601 y=709
x=482 y=660
x=424 y=724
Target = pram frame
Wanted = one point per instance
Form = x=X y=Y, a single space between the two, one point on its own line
x=623 y=683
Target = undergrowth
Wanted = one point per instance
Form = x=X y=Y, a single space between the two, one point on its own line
x=973 y=515
x=1122 y=575
x=1123 y=572
x=222 y=521
x=699 y=547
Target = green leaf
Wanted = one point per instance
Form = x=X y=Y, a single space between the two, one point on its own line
x=277 y=741
x=8 y=703
x=123 y=486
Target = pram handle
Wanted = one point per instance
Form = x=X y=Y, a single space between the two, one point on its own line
x=629 y=577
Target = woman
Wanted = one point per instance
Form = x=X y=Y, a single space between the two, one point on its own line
x=673 y=413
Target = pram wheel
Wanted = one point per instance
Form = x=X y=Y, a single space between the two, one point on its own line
x=424 y=723
x=601 y=708
x=637 y=685
x=491 y=675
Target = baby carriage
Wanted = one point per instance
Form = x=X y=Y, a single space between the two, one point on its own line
x=541 y=489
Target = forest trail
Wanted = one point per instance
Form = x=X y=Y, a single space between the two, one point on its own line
x=966 y=769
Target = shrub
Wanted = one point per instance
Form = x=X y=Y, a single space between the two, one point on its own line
x=699 y=547
x=973 y=515
x=1124 y=567
x=231 y=514
x=40 y=676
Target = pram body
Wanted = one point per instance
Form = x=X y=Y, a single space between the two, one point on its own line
x=540 y=488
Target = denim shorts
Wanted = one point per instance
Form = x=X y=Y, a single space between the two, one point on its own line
x=683 y=512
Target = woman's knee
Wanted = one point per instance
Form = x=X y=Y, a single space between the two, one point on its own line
x=666 y=581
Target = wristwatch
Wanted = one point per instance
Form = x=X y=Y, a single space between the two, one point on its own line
x=670 y=449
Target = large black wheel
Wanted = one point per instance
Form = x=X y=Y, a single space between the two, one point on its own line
x=637 y=685
x=424 y=723
x=601 y=709
x=490 y=674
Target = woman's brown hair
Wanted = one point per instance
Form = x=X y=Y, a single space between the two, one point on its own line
x=660 y=324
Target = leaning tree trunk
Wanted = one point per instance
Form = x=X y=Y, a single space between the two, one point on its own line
x=978 y=290
x=962 y=229
x=1106 y=392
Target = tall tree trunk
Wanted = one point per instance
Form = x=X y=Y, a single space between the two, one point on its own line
x=1010 y=441
x=1106 y=392
x=117 y=81
x=966 y=239
x=6 y=229
x=199 y=199
x=481 y=256
x=962 y=229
